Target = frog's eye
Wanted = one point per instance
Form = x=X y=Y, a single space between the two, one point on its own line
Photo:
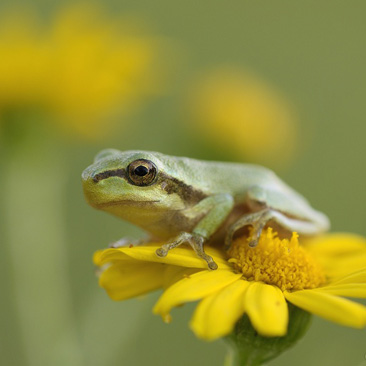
x=142 y=172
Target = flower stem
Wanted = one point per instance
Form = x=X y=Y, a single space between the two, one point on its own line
x=239 y=358
x=33 y=182
x=248 y=348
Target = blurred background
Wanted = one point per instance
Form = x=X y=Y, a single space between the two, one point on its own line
x=278 y=83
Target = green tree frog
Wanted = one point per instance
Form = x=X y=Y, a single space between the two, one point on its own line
x=182 y=200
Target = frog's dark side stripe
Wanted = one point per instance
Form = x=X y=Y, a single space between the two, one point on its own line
x=109 y=173
x=168 y=183
x=187 y=193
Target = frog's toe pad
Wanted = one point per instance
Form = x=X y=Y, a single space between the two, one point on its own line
x=212 y=264
x=253 y=243
x=161 y=252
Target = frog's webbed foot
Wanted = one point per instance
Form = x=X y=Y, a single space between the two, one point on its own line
x=257 y=220
x=126 y=242
x=258 y=227
x=196 y=241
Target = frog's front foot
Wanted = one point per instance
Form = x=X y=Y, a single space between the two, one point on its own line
x=196 y=241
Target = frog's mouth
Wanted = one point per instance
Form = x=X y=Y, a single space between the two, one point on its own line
x=125 y=202
x=121 y=202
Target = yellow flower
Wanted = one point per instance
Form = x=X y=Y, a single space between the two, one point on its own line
x=82 y=68
x=257 y=281
x=236 y=109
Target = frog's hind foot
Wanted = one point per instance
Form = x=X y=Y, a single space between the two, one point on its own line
x=196 y=241
x=257 y=220
x=256 y=233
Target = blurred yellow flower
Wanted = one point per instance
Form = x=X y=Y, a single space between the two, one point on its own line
x=237 y=110
x=257 y=281
x=81 y=68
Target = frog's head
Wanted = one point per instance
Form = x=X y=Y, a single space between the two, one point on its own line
x=134 y=185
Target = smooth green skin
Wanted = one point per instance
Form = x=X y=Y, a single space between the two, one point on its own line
x=193 y=199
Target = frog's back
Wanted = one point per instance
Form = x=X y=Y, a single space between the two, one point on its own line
x=237 y=179
x=220 y=177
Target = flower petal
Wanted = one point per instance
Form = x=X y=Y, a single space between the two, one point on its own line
x=341 y=266
x=102 y=257
x=184 y=257
x=355 y=277
x=97 y=258
x=173 y=274
x=352 y=285
x=357 y=290
x=123 y=281
x=336 y=244
x=330 y=307
x=216 y=315
x=339 y=254
x=267 y=309
x=193 y=288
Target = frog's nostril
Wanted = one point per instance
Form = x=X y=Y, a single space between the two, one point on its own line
x=96 y=178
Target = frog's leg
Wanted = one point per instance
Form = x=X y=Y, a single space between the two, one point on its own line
x=262 y=200
x=215 y=210
x=259 y=219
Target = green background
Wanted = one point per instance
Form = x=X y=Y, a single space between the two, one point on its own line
x=314 y=52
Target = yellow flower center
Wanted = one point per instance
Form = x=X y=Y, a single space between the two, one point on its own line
x=283 y=263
